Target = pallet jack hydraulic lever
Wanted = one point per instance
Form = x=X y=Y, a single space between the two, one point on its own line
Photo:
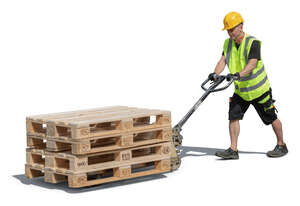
x=176 y=136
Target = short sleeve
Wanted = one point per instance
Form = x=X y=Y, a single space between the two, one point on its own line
x=254 y=50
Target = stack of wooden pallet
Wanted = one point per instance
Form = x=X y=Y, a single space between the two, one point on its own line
x=96 y=146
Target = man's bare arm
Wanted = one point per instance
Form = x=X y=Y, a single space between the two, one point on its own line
x=249 y=67
x=220 y=65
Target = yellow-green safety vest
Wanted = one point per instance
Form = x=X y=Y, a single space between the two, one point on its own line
x=254 y=84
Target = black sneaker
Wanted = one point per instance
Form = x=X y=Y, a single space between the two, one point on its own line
x=278 y=151
x=228 y=154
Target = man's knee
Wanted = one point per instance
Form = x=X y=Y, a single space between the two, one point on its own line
x=235 y=113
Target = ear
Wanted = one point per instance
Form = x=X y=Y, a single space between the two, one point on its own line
x=241 y=27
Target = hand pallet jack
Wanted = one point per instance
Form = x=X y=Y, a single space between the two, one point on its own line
x=176 y=136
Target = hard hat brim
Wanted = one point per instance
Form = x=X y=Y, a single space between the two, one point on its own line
x=227 y=28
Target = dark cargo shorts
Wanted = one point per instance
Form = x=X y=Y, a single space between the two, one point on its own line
x=263 y=105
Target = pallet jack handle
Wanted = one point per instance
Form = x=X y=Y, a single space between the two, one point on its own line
x=218 y=81
x=212 y=88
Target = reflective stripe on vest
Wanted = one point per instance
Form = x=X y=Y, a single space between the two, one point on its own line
x=228 y=52
x=246 y=60
x=248 y=89
x=252 y=76
x=245 y=50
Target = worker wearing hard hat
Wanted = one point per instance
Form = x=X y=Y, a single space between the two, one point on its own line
x=241 y=53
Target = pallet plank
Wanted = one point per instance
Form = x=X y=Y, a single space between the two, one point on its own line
x=75 y=112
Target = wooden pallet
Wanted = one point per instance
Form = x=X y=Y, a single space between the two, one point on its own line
x=75 y=164
x=99 y=125
x=108 y=175
x=96 y=122
x=37 y=125
x=110 y=142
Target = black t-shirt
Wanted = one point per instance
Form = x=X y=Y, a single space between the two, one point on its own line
x=254 y=50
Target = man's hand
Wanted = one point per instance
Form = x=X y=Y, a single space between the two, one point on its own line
x=235 y=76
x=212 y=76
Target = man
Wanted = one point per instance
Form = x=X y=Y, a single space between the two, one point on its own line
x=241 y=53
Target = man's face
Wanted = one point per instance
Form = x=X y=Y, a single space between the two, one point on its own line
x=235 y=32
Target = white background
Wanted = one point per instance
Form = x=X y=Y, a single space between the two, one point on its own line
x=68 y=55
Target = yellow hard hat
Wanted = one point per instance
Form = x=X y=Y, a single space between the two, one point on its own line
x=231 y=20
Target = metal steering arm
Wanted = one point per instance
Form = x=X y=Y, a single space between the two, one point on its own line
x=177 y=137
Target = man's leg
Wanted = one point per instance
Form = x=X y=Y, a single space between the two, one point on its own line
x=277 y=127
x=267 y=113
x=234 y=131
x=237 y=109
x=281 y=148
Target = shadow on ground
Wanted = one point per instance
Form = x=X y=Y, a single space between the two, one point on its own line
x=39 y=181
x=185 y=151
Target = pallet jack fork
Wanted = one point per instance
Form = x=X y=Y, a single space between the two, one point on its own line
x=176 y=136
